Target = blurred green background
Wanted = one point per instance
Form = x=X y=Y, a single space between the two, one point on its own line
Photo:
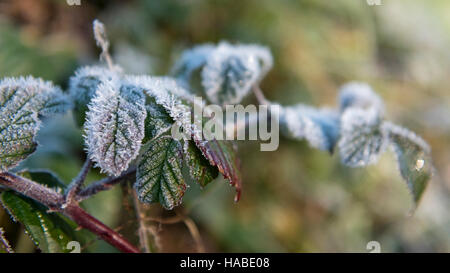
x=295 y=199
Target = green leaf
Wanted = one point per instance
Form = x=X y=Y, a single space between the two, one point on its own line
x=157 y=121
x=82 y=87
x=414 y=158
x=49 y=231
x=115 y=126
x=19 y=122
x=190 y=61
x=228 y=79
x=362 y=139
x=159 y=177
x=222 y=154
x=199 y=167
x=21 y=100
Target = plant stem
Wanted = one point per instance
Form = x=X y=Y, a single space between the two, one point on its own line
x=142 y=231
x=56 y=202
x=78 y=182
x=259 y=95
x=5 y=242
x=36 y=191
x=104 y=184
x=85 y=220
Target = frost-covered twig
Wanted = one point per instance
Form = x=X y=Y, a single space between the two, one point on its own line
x=5 y=242
x=56 y=202
x=78 y=182
x=104 y=184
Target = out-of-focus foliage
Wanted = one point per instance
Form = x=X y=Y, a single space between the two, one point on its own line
x=295 y=198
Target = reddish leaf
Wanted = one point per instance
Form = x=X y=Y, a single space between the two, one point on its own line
x=222 y=154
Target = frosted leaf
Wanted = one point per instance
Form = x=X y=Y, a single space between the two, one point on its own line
x=320 y=127
x=362 y=140
x=261 y=53
x=115 y=126
x=200 y=169
x=159 y=177
x=47 y=99
x=56 y=103
x=191 y=60
x=82 y=87
x=360 y=95
x=21 y=100
x=176 y=101
x=229 y=74
x=157 y=122
x=413 y=157
x=170 y=95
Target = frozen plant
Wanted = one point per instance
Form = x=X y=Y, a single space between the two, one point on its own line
x=127 y=121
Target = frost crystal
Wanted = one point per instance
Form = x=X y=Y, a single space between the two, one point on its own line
x=21 y=101
x=320 y=127
x=159 y=177
x=158 y=121
x=261 y=53
x=191 y=60
x=170 y=95
x=362 y=140
x=229 y=71
x=360 y=95
x=82 y=87
x=115 y=126
x=229 y=74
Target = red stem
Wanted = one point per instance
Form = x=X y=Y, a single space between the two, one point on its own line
x=56 y=202
x=85 y=220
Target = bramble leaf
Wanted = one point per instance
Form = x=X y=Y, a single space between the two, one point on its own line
x=320 y=127
x=115 y=126
x=190 y=61
x=49 y=231
x=167 y=93
x=229 y=74
x=82 y=87
x=157 y=121
x=229 y=71
x=221 y=153
x=21 y=101
x=199 y=167
x=362 y=140
x=159 y=177
x=359 y=95
x=413 y=157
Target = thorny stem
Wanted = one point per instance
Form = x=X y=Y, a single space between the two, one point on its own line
x=56 y=202
x=104 y=184
x=5 y=242
x=77 y=183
